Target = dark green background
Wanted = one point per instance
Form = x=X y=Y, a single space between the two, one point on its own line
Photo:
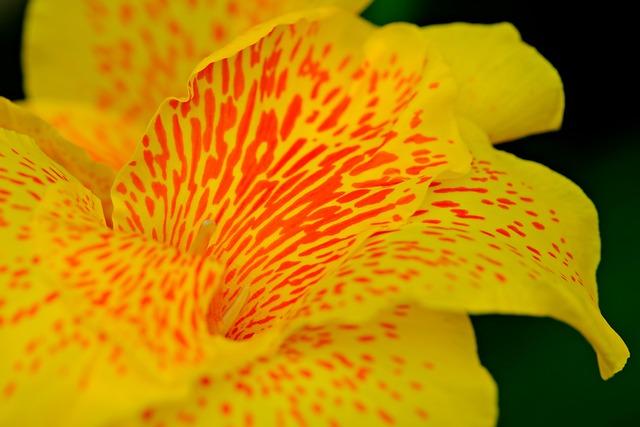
x=546 y=372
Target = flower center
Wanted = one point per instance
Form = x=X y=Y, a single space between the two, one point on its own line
x=201 y=242
x=219 y=318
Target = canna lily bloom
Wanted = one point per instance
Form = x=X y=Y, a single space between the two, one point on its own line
x=296 y=241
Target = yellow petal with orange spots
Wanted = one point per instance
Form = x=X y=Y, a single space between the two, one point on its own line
x=296 y=139
x=405 y=367
x=97 y=324
x=512 y=237
x=506 y=86
x=95 y=176
x=106 y=137
x=28 y=311
x=127 y=56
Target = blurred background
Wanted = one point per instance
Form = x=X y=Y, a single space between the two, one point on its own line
x=546 y=372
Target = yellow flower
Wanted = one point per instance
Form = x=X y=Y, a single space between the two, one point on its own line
x=297 y=241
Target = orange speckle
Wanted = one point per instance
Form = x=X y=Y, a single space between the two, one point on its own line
x=386 y=417
x=225 y=408
x=9 y=389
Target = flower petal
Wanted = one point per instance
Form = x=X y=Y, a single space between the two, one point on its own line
x=86 y=311
x=127 y=56
x=405 y=367
x=506 y=86
x=294 y=140
x=27 y=311
x=106 y=137
x=95 y=176
x=513 y=237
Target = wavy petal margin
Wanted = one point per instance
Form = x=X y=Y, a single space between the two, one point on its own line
x=506 y=86
x=513 y=237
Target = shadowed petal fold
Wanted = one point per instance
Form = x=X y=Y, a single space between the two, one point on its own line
x=94 y=176
x=106 y=137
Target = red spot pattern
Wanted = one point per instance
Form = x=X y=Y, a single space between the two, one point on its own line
x=326 y=375
x=166 y=314
x=34 y=316
x=461 y=248
x=283 y=148
x=77 y=302
x=308 y=158
x=502 y=196
x=87 y=310
x=483 y=253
